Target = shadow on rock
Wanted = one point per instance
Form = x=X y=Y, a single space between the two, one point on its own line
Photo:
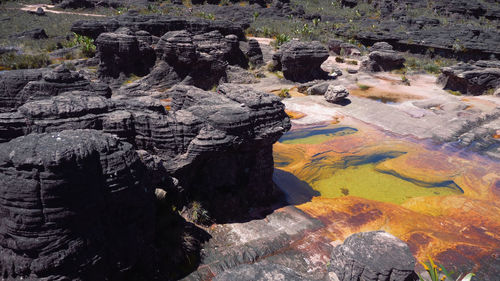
x=178 y=242
x=343 y=102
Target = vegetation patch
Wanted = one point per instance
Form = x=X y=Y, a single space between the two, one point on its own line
x=11 y=61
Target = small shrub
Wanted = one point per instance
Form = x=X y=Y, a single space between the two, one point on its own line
x=353 y=62
x=70 y=66
x=255 y=16
x=339 y=59
x=279 y=74
x=432 y=68
x=439 y=272
x=280 y=40
x=316 y=21
x=198 y=214
x=405 y=80
x=208 y=16
x=86 y=44
x=284 y=93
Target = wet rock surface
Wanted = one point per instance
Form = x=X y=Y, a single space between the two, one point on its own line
x=373 y=256
x=63 y=201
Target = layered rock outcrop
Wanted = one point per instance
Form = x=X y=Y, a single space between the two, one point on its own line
x=448 y=28
x=74 y=205
x=301 y=61
x=375 y=255
x=20 y=86
x=471 y=79
x=229 y=134
x=180 y=56
x=156 y=25
x=124 y=52
x=254 y=53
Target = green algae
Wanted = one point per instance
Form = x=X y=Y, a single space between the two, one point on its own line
x=316 y=136
x=365 y=181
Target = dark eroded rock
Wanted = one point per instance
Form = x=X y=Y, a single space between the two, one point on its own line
x=43 y=84
x=74 y=204
x=301 y=61
x=35 y=34
x=156 y=25
x=372 y=256
x=383 y=60
x=123 y=53
x=471 y=79
x=254 y=53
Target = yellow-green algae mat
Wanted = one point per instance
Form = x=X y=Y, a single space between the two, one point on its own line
x=334 y=171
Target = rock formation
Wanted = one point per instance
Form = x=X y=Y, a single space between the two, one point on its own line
x=74 y=205
x=254 y=53
x=454 y=37
x=180 y=56
x=301 y=61
x=156 y=25
x=383 y=60
x=339 y=47
x=239 y=123
x=124 y=52
x=471 y=79
x=376 y=256
x=12 y=82
x=35 y=34
x=20 y=86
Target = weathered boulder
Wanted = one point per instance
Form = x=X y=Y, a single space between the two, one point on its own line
x=336 y=93
x=75 y=205
x=383 y=60
x=318 y=89
x=340 y=47
x=471 y=79
x=381 y=46
x=301 y=61
x=375 y=255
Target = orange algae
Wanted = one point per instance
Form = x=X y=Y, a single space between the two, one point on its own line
x=463 y=224
x=295 y=114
